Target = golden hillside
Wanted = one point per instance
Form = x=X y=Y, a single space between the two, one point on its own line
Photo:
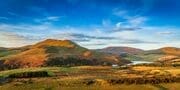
x=59 y=52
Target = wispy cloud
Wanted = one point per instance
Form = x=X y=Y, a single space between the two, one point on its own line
x=47 y=19
x=13 y=14
x=79 y=37
x=10 y=39
x=120 y=13
x=122 y=27
x=3 y=18
x=130 y=22
x=165 y=33
x=137 y=21
x=53 y=18
x=26 y=34
x=95 y=37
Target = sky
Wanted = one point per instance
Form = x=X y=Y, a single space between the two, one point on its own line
x=144 y=24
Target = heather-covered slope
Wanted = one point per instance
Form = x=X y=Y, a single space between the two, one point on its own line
x=58 y=53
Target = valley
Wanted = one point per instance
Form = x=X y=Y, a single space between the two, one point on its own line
x=63 y=64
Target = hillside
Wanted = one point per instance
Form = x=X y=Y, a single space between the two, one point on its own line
x=4 y=52
x=127 y=53
x=56 y=53
x=171 y=56
x=168 y=55
x=120 y=50
x=171 y=50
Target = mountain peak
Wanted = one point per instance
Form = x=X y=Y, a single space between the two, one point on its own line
x=54 y=42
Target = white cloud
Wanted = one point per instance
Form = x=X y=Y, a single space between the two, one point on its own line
x=90 y=37
x=10 y=39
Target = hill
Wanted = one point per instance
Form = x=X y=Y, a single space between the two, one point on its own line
x=163 y=55
x=120 y=50
x=171 y=56
x=166 y=55
x=171 y=50
x=4 y=52
x=56 y=53
x=127 y=53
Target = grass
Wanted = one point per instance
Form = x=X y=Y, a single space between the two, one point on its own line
x=132 y=57
x=23 y=71
x=54 y=85
x=171 y=86
x=150 y=57
x=92 y=77
x=6 y=53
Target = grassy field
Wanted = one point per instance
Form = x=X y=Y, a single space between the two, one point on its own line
x=90 y=78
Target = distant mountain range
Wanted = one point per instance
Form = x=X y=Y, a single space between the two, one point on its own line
x=55 y=53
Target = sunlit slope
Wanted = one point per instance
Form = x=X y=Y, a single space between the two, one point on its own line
x=128 y=53
x=59 y=53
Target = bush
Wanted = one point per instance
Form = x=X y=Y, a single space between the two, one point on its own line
x=4 y=80
x=31 y=74
x=145 y=80
x=73 y=61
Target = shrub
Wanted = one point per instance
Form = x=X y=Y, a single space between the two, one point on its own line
x=31 y=74
x=145 y=80
x=72 y=61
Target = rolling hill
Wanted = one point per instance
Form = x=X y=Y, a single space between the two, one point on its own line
x=154 y=55
x=171 y=50
x=55 y=53
x=171 y=56
x=162 y=55
x=127 y=53
x=120 y=50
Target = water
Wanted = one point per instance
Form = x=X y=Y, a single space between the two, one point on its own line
x=139 y=62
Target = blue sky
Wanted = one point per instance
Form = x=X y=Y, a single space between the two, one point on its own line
x=145 y=24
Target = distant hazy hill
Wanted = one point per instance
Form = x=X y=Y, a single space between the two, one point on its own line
x=55 y=53
x=120 y=50
x=171 y=56
x=166 y=54
x=171 y=50
x=125 y=52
